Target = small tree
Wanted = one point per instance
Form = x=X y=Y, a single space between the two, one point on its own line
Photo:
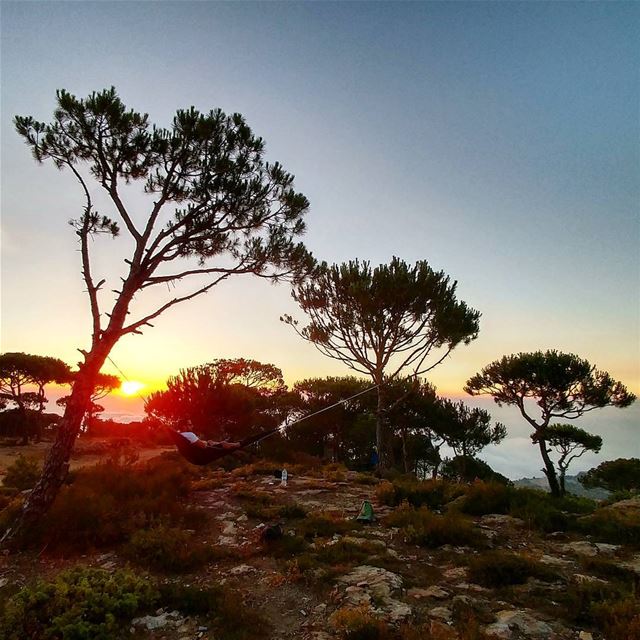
x=622 y=474
x=22 y=371
x=383 y=321
x=225 y=398
x=570 y=442
x=562 y=385
x=212 y=201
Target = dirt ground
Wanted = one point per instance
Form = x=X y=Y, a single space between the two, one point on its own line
x=79 y=458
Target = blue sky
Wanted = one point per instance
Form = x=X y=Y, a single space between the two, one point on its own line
x=499 y=141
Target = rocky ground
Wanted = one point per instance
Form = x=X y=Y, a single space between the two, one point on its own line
x=399 y=582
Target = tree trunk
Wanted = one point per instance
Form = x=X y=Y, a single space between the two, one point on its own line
x=56 y=465
x=549 y=470
x=405 y=461
x=380 y=428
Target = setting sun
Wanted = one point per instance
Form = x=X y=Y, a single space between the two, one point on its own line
x=131 y=387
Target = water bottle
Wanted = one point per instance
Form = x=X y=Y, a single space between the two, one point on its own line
x=284 y=478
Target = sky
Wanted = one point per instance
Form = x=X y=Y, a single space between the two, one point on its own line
x=497 y=141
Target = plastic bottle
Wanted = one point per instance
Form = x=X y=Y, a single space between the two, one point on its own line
x=284 y=478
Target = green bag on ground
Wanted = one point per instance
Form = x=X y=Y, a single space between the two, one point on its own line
x=366 y=512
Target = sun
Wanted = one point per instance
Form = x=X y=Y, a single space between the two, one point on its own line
x=131 y=387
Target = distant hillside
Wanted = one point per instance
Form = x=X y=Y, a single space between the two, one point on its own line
x=571 y=482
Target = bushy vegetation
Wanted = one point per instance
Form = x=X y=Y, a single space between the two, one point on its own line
x=359 y=623
x=107 y=503
x=612 y=525
x=418 y=493
x=538 y=509
x=500 y=569
x=80 y=604
x=612 y=608
x=169 y=549
x=422 y=527
x=220 y=606
x=22 y=474
x=325 y=525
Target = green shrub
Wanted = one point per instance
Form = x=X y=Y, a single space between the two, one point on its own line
x=286 y=547
x=612 y=571
x=584 y=600
x=539 y=510
x=324 y=525
x=615 y=526
x=345 y=552
x=422 y=527
x=107 y=503
x=359 y=623
x=576 y=504
x=418 y=493
x=80 y=604
x=222 y=607
x=366 y=478
x=482 y=498
x=23 y=473
x=500 y=569
x=168 y=549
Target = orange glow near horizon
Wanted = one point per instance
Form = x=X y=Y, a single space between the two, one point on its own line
x=131 y=387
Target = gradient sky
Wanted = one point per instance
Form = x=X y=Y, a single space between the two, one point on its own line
x=499 y=141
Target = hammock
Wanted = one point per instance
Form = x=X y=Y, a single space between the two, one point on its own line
x=197 y=454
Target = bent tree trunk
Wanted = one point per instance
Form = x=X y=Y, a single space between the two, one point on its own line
x=56 y=465
x=549 y=470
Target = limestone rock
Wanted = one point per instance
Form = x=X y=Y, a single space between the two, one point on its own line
x=500 y=520
x=241 y=569
x=367 y=585
x=160 y=621
x=441 y=613
x=581 y=548
x=510 y=621
x=431 y=592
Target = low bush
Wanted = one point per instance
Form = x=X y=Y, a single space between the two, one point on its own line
x=23 y=473
x=501 y=569
x=588 y=603
x=615 y=526
x=539 y=510
x=366 y=478
x=219 y=605
x=325 y=525
x=107 y=503
x=345 y=552
x=168 y=549
x=612 y=571
x=422 y=527
x=359 y=623
x=618 y=619
x=286 y=547
x=482 y=498
x=429 y=493
x=80 y=604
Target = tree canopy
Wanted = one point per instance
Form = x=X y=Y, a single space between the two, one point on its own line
x=21 y=372
x=570 y=442
x=561 y=385
x=382 y=321
x=622 y=474
x=222 y=399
